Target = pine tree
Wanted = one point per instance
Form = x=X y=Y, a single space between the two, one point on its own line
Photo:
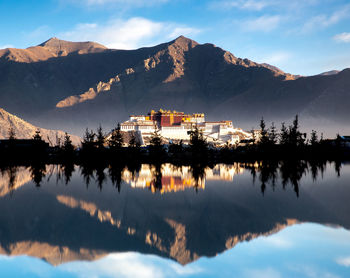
x=156 y=146
x=264 y=136
x=116 y=141
x=67 y=144
x=134 y=143
x=88 y=142
x=156 y=138
x=284 y=135
x=273 y=134
x=100 y=138
x=197 y=142
x=12 y=133
x=37 y=135
x=314 y=138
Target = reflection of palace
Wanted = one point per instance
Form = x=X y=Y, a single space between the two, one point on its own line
x=179 y=178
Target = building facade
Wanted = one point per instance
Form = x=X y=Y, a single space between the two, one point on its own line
x=175 y=126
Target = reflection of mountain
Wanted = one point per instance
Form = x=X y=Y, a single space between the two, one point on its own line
x=60 y=223
x=12 y=178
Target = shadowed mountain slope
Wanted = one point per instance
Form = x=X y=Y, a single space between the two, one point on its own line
x=84 y=84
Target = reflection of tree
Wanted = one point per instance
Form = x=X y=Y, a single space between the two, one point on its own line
x=100 y=176
x=38 y=172
x=337 y=167
x=67 y=170
x=291 y=172
x=267 y=173
x=198 y=173
x=316 y=167
x=157 y=176
x=115 y=174
x=87 y=171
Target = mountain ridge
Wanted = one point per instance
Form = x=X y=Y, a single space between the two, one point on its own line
x=89 y=84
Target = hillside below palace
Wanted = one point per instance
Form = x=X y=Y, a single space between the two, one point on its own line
x=174 y=126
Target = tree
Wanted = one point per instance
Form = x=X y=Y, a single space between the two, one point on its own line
x=134 y=143
x=100 y=138
x=68 y=147
x=264 y=136
x=116 y=141
x=37 y=135
x=156 y=147
x=156 y=138
x=88 y=142
x=197 y=142
x=284 y=135
x=296 y=138
x=273 y=134
x=314 y=138
x=12 y=133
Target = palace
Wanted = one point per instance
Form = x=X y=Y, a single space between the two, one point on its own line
x=175 y=126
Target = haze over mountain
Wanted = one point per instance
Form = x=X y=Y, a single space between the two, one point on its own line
x=70 y=85
x=25 y=130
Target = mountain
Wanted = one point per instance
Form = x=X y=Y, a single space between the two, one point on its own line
x=71 y=85
x=25 y=130
x=331 y=72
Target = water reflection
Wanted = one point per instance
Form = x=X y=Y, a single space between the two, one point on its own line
x=165 y=178
x=63 y=213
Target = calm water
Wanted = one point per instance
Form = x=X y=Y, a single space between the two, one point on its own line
x=241 y=220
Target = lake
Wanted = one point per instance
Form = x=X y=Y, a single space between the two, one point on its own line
x=266 y=219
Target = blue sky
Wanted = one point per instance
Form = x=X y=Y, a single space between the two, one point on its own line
x=300 y=36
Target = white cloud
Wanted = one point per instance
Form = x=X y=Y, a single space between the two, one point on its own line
x=344 y=261
x=343 y=37
x=311 y=271
x=6 y=46
x=258 y=5
x=128 y=34
x=263 y=273
x=263 y=23
x=129 y=265
x=129 y=3
x=278 y=242
x=254 y=5
x=323 y=21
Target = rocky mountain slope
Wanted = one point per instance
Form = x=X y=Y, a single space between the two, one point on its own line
x=25 y=130
x=73 y=85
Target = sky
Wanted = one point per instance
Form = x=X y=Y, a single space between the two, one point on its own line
x=303 y=37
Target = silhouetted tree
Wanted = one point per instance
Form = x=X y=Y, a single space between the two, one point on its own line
x=100 y=138
x=264 y=136
x=198 y=144
x=273 y=134
x=88 y=143
x=314 y=138
x=116 y=141
x=11 y=133
x=284 y=135
x=68 y=147
x=156 y=146
x=37 y=135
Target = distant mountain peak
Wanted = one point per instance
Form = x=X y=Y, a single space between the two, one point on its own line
x=68 y=46
x=184 y=42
